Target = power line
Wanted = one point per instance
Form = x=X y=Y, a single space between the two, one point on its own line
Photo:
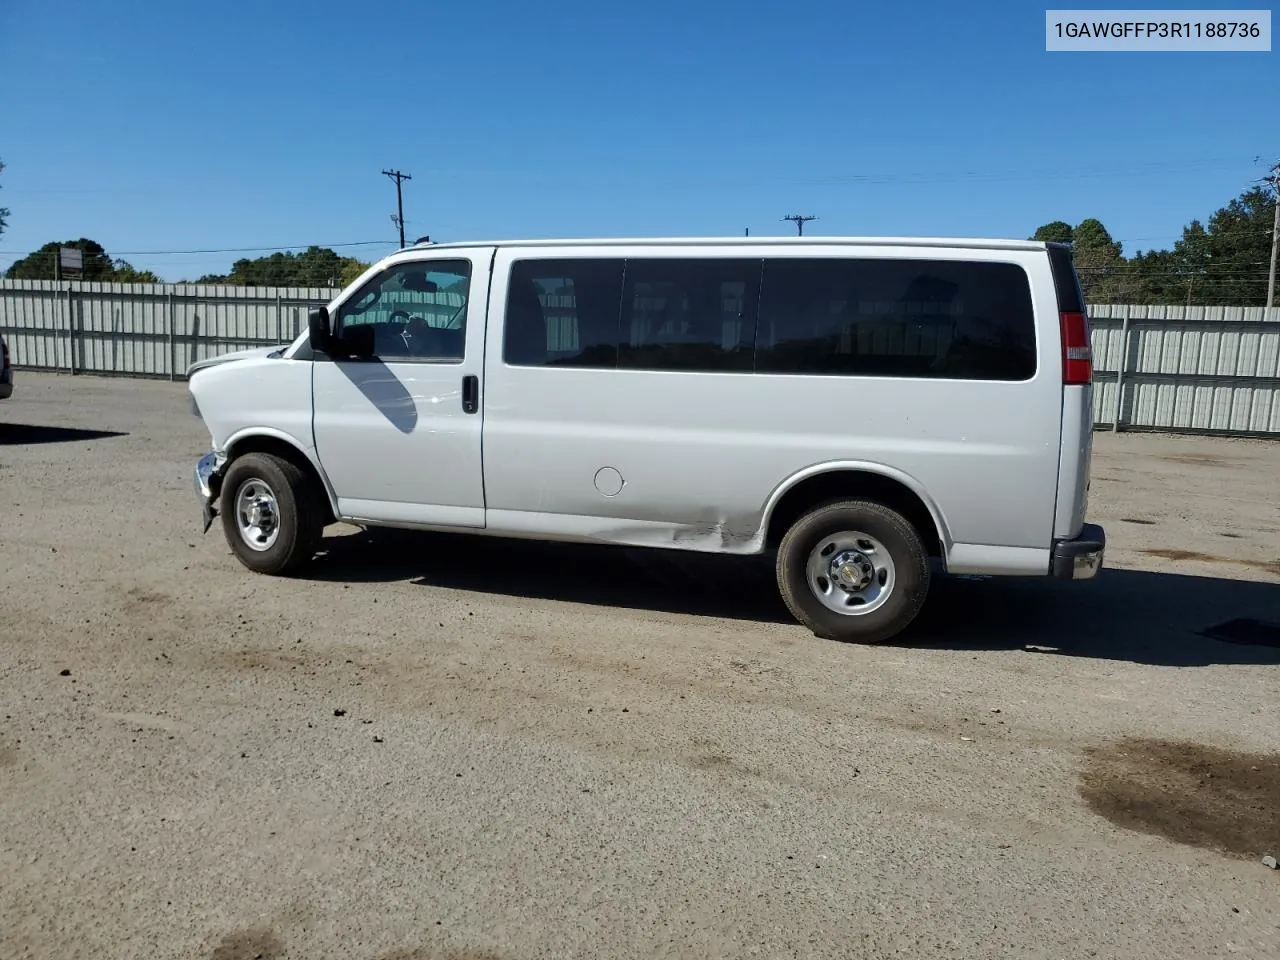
x=1076 y=173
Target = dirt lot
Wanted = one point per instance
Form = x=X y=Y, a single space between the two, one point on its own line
x=419 y=753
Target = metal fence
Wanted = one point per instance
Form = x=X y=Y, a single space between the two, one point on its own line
x=1187 y=369
x=1199 y=369
x=144 y=330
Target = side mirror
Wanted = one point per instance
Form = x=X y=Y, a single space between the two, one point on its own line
x=318 y=327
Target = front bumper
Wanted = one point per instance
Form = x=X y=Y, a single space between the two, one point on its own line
x=1081 y=557
x=208 y=483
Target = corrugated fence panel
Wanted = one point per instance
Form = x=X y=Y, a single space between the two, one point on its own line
x=144 y=329
x=1212 y=369
x=1201 y=369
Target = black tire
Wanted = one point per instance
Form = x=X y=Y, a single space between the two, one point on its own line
x=300 y=514
x=899 y=538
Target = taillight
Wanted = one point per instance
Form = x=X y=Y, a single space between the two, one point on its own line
x=1077 y=350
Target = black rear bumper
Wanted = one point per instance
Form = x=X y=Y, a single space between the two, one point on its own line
x=1081 y=557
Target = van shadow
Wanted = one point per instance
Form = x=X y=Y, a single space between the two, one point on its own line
x=1130 y=615
x=668 y=581
x=20 y=434
x=1133 y=615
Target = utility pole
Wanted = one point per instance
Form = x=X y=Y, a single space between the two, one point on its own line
x=397 y=176
x=1274 y=180
x=799 y=222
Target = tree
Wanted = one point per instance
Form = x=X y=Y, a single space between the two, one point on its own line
x=1223 y=262
x=1099 y=261
x=98 y=265
x=352 y=268
x=125 y=272
x=42 y=265
x=1238 y=250
x=1056 y=232
x=1190 y=260
x=313 y=267
x=4 y=211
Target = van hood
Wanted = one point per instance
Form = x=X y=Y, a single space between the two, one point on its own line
x=233 y=356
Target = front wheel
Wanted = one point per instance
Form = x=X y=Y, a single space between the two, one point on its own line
x=854 y=571
x=271 y=514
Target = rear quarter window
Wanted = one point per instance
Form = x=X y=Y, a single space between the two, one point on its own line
x=939 y=319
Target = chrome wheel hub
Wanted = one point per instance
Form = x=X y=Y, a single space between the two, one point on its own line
x=851 y=573
x=257 y=514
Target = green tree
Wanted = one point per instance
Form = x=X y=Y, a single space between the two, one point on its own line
x=313 y=267
x=1238 y=250
x=1058 y=231
x=42 y=265
x=1099 y=261
x=352 y=268
x=1189 y=264
x=1221 y=262
x=126 y=272
x=1156 y=277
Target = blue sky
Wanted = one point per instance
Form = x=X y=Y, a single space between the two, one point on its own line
x=160 y=127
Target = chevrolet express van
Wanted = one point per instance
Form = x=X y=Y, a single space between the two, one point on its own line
x=863 y=409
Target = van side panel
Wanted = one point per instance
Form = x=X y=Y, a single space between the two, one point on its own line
x=690 y=460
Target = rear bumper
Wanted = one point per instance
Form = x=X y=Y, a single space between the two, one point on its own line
x=1081 y=557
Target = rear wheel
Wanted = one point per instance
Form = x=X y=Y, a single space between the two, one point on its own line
x=271 y=514
x=854 y=571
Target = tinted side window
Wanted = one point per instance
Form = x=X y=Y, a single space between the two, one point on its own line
x=694 y=314
x=563 y=313
x=900 y=318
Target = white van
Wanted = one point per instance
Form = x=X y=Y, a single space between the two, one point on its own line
x=858 y=407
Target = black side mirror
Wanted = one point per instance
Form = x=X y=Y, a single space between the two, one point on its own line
x=318 y=327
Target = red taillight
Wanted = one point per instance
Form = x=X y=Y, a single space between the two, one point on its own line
x=1077 y=351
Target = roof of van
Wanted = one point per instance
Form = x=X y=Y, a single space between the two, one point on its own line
x=961 y=242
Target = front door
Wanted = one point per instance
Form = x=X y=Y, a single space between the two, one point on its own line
x=399 y=434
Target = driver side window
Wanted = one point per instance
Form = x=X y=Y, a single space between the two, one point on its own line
x=418 y=310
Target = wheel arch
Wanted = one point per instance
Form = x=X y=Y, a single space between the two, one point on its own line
x=287 y=448
x=825 y=482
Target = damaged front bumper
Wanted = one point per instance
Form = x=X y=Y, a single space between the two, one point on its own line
x=208 y=483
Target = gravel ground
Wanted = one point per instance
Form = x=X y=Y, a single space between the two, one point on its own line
x=613 y=753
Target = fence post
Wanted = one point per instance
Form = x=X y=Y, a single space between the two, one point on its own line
x=71 y=332
x=279 y=319
x=1124 y=361
x=169 y=324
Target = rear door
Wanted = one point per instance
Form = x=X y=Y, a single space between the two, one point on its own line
x=399 y=434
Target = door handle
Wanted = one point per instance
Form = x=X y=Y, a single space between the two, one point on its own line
x=470 y=393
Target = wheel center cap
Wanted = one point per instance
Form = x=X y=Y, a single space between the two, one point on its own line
x=260 y=514
x=851 y=570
